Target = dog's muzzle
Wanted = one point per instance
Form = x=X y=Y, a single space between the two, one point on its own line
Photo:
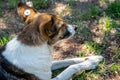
x=71 y=29
x=69 y=32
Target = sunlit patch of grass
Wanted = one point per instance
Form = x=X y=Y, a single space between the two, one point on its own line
x=117 y=53
x=93 y=47
x=106 y=24
x=103 y=3
x=4 y=39
x=115 y=67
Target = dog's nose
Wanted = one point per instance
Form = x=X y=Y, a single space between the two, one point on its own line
x=75 y=27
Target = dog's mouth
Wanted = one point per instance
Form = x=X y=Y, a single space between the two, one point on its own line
x=70 y=31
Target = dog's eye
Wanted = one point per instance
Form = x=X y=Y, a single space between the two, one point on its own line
x=27 y=12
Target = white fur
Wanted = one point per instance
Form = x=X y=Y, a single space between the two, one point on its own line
x=71 y=29
x=32 y=59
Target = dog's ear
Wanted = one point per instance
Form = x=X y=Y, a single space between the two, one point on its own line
x=48 y=26
x=25 y=12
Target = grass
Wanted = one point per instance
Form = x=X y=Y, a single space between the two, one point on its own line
x=93 y=13
x=4 y=38
x=113 y=10
x=41 y=4
x=12 y=4
x=94 y=47
x=106 y=21
x=115 y=67
x=71 y=3
x=1 y=11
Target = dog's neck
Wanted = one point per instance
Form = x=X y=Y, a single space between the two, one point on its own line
x=32 y=59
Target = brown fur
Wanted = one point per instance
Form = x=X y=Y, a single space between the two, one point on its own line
x=41 y=27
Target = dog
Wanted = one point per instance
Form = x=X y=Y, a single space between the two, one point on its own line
x=28 y=56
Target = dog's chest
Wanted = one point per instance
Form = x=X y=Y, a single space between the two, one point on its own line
x=32 y=59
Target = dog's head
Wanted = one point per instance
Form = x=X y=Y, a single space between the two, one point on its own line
x=51 y=27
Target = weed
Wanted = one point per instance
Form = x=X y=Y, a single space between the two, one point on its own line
x=106 y=24
x=38 y=4
x=4 y=38
x=12 y=3
x=117 y=34
x=80 y=77
x=115 y=67
x=71 y=3
x=83 y=31
x=93 y=13
x=94 y=47
x=1 y=11
x=113 y=10
x=117 y=53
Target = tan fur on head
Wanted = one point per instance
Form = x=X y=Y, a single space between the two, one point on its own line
x=21 y=9
x=41 y=27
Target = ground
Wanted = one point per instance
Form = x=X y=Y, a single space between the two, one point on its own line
x=97 y=34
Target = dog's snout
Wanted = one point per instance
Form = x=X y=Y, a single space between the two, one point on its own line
x=71 y=29
x=75 y=27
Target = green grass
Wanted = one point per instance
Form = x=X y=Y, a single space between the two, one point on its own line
x=12 y=4
x=41 y=4
x=1 y=11
x=113 y=10
x=4 y=39
x=92 y=13
x=71 y=3
x=115 y=67
x=94 y=47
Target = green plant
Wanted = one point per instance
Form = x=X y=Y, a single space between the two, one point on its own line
x=80 y=77
x=113 y=10
x=38 y=4
x=106 y=24
x=94 y=11
x=115 y=67
x=4 y=38
x=83 y=31
x=94 y=47
x=71 y=3
x=1 y=11
x=12 y=3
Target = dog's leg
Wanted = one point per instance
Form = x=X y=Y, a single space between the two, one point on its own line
x=90 y=63
x=66 y=62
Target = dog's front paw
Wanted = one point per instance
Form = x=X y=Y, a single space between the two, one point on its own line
x=96 y=58
x=91 y=62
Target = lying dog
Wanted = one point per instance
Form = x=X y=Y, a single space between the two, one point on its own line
x=28 y=56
